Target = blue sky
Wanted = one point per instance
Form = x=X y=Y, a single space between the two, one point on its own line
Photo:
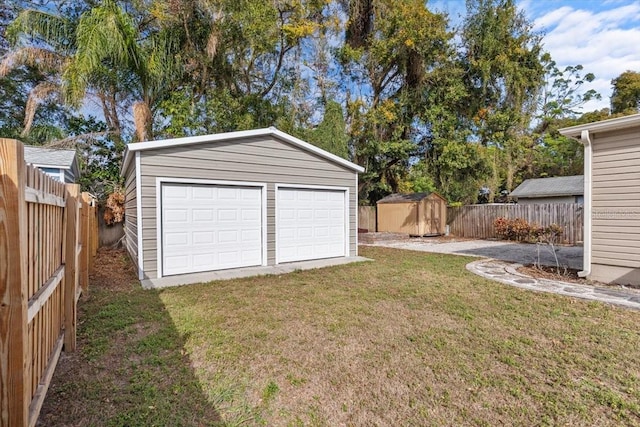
x=602 y=35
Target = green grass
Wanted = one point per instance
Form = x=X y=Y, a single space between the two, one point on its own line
x=410 y=339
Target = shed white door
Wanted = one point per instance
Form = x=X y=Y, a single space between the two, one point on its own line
x=310 y=224
x=210 y=227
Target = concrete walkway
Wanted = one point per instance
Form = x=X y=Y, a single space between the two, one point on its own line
x=522 y=253
x=505 y=272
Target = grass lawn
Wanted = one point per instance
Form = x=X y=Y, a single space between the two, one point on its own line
x=410 y=339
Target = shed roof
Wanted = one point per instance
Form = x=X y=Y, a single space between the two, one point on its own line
x=550 y=187
x=406 y=197
x=230 y=136
x=49 y=157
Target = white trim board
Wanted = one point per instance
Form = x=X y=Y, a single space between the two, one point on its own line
x=161 y=180
x=139 y=227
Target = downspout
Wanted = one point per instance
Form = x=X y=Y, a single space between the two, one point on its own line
x=588 y=155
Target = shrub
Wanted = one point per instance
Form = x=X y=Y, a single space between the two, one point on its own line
x=520 y=230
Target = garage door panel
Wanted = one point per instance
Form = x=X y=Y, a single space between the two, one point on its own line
x=310 y=224
x=210 y=227
x=203 y=238
x=250 y=235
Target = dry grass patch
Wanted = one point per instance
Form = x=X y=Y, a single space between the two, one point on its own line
x=410 y=339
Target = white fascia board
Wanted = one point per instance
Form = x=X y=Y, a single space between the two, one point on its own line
x=618 y=123
x=176 y=142
x=41 y=165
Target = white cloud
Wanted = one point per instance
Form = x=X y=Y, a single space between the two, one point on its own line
x=605 y=42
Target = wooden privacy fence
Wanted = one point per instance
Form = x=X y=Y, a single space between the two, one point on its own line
x=476 y=221
x=367 y=218
x=48 y=239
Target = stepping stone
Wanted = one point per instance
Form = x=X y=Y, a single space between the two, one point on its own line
x=524 y=281
x=611 y=293
x=635 y=299
x=497 y=272
x=575 y=290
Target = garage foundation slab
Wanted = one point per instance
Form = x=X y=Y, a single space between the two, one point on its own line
x=239 y=273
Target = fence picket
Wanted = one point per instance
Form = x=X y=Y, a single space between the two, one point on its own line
x=38 y=281
x=476 y=221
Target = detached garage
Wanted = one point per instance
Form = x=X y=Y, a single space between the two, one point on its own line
x=245 y=199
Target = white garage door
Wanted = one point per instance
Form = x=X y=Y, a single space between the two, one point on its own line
x=210 y=227
x=310 y=224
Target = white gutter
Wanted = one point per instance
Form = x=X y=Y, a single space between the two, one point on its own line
x=588 y=156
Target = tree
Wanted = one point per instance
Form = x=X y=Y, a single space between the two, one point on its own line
x=501 y=56
x=561 y=96
x=103 y=52
x=330 y=135
x=626 y=93
x=390 y=50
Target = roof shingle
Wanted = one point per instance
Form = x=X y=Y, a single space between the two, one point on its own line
x=49 y=156
x=550 y=187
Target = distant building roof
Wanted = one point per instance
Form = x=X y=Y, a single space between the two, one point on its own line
x=404 y=198
x=550 y=187
x=49 y=157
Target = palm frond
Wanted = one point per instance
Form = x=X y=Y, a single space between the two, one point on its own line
x=38 y=94
x=43 y=59
x=54 y=30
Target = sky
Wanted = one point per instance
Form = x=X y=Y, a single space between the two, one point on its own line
x=602 y=35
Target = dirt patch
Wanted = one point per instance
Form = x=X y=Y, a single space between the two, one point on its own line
x=113 y=271
x=372 y=238
x=551 y=273
x=567 y=275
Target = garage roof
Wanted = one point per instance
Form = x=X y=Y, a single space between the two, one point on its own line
x=228 y=136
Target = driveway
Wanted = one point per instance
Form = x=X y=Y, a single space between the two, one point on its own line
x=523 y=253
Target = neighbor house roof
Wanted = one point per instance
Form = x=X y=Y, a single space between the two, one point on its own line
x=49 y=157
x=405 y=198
x=230 y=136
x=550 y=187
x=602 y=126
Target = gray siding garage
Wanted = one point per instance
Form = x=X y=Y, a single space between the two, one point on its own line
x=611 y=198
x=233 y=200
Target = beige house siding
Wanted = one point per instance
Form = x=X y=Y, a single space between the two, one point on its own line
x=260 y=160
x=616 y=205
x=131 y=213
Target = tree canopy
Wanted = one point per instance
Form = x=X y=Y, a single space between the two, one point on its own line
x=389 y=85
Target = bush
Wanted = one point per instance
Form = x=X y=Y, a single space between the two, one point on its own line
x=520 y=230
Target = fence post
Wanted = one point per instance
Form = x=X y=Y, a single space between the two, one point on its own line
x=71 y=260
x=85 y=253
x=14 y=403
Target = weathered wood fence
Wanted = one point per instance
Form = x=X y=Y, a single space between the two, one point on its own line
x=476 y=221
x=48 y=238
x=367 y=218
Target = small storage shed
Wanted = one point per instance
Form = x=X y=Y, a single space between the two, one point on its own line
x=235 y=200
x=611 y=198
x=416 y=214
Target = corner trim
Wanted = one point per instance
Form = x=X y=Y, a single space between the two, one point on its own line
x=588 y=203
x=139 y=227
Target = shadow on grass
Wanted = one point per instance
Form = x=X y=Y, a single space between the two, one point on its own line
x=131 y=367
